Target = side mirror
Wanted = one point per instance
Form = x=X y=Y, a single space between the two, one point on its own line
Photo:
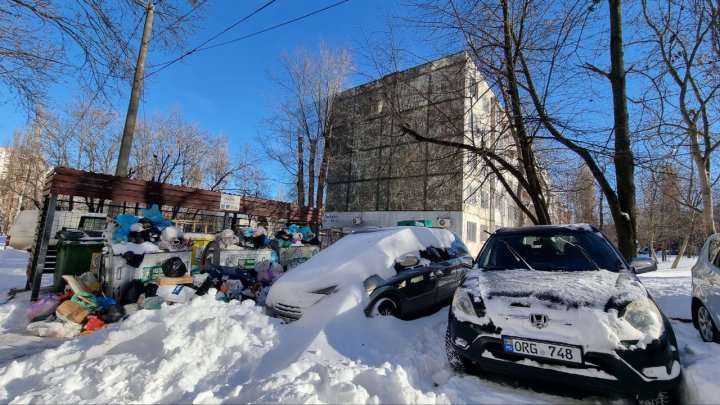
x=641 y=265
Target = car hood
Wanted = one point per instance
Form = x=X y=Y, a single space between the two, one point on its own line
x=559 y=289
x=580 y=307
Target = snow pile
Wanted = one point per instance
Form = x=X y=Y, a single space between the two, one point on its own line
x=209 y=351
x=154 y=356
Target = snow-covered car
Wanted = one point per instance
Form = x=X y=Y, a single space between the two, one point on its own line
x=706 y=290
x=560 y=303
x=399 y=271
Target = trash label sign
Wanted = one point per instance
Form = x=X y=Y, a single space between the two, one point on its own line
x=229 y=202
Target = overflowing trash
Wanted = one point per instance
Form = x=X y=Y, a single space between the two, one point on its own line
x=147 y=263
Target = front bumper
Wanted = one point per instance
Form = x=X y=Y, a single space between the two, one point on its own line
x=637 y=372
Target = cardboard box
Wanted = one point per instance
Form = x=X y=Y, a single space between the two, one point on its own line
x=174 y=280
x=72 y=311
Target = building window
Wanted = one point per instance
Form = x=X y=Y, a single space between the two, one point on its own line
x=484 y=200
x=473 y=89
x=471 y=231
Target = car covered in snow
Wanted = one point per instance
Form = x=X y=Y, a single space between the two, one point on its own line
x=399 y=271
x=560 y=303
x=706 y=290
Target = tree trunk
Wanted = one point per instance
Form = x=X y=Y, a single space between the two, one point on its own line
x=686 y=240
x=529 y=164
x=708 y=212
x=300 y=182
x=625 y=220
x=322 y=177
x=311 y=171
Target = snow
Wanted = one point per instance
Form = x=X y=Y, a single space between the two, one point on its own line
x=208 y=351
x=574 y=303
x=348 y=262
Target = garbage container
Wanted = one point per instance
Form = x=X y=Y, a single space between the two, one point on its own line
x=75 y=253
x=200 y=241
x=116 y=272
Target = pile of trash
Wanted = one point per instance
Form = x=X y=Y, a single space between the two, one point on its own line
x=146 y=234
x=293 y=235
x=78 y=311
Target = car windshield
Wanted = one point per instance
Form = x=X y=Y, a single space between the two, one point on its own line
x=559 y=251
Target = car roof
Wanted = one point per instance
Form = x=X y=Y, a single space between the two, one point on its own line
x=547 y=229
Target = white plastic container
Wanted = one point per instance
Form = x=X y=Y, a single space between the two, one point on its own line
x=116 y=273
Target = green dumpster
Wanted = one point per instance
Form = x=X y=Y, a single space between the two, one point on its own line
x=75 y=252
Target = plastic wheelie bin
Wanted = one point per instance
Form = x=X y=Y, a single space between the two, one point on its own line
x=75 y=252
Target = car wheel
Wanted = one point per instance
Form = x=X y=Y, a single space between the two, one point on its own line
x=457 y=362
x=706 y=325
x=384 y=306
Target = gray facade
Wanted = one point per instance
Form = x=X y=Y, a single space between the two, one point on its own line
x=378 y=175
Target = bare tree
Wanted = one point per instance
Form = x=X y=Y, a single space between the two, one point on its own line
x=22 y=186
x=84 y=137
x=302 y=124
x=172 y=150
x=530 y=53
x=91 y=41
x=683 y=72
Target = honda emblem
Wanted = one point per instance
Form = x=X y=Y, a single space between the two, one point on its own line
x=539 y=320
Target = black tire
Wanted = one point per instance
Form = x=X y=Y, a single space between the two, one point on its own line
x=706 y=325
x=384 y=306
x=458 y=363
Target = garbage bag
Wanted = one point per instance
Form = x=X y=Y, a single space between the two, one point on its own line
x=86 y=300
x=41 y=309
x=176 y=293
x=153 y=303
x=232 y=273
x=131 y=292
x=133 y=259
x=174 y=267
x=113 y=314
x=156 y=217
x=151 y=290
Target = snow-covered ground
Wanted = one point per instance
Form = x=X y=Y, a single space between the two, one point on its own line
x=209 y=351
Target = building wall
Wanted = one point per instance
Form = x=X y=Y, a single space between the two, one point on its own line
x=375 y=167
x=4 y=162
x=382 y=176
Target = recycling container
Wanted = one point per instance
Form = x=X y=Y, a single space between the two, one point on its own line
x=116 y=272
x=75 y=253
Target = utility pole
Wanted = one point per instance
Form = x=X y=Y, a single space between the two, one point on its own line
x=121 y=169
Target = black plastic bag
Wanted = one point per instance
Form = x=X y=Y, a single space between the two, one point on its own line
x=131 y=292
x=151 y=290
x=246 y=277
x=174 y=267
x=113 y=314
x=133 y=259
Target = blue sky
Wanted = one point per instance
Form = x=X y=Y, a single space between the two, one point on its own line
x=226 y=90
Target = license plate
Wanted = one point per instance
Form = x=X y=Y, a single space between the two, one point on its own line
x=547 y=350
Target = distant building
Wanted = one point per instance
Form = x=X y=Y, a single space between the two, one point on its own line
x=379 y=176
x=4 y=162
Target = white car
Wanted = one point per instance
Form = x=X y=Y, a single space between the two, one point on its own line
x=706 y=290
x=398 y=271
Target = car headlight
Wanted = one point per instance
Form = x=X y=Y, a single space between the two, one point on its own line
x=645 y=316
x=325 y=291
x=465 y=303
x=462 y=303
